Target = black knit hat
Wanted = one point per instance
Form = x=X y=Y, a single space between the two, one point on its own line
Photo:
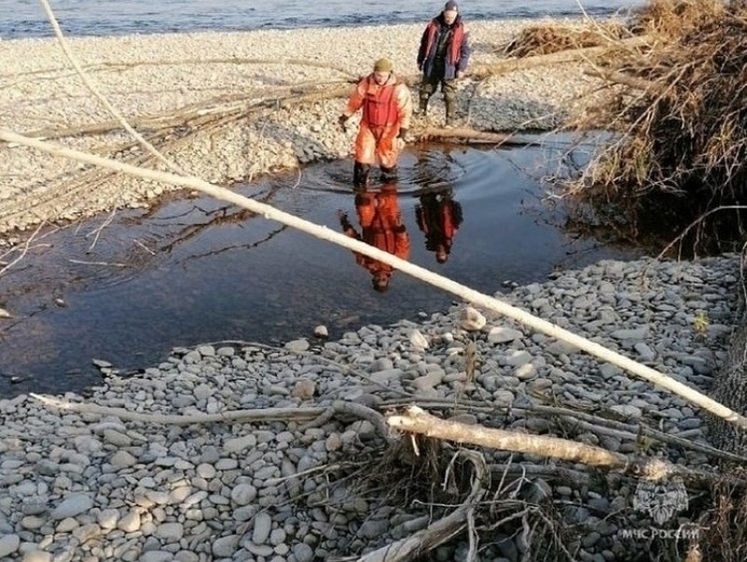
x=451 y=6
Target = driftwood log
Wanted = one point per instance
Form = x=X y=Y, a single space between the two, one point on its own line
x=417 y=420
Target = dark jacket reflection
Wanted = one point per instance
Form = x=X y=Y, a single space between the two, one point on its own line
x=439 y=217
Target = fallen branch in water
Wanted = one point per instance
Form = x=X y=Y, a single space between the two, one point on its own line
x=470 y=295
x=23 y=250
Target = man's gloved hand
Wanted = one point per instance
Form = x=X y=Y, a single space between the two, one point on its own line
x=342 y=122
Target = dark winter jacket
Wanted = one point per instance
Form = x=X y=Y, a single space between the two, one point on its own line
x=458 y=48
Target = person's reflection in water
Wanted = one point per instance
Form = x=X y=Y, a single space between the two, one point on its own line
x=381 y=226
x=439 y=217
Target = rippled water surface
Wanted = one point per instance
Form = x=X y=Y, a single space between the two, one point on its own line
x=127 y=288
x=26 y=18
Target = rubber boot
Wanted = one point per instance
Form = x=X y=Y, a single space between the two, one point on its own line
x=450 y=112
x=423 y=110
x=389 y=174
x=360 y=175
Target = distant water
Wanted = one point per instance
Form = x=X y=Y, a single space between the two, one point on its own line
x=26 y=18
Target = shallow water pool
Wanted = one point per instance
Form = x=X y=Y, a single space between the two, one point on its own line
x=127 y=288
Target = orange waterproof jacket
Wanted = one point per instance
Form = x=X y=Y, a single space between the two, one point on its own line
x=383 y=106
x=382 y=227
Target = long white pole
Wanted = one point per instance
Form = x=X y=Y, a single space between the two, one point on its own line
x=416 y=271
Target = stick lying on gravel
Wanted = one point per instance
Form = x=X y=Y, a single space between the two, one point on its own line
x=416 y=420
x=319 y=415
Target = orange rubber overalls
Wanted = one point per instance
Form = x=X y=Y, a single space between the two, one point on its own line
x=386 y=109
x=380 y=218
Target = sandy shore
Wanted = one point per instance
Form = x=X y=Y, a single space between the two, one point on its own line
x=145 y=77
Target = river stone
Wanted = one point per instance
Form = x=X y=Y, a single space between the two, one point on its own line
x=130 y=523
x=9 y=544
x=262 y=528
x=240 y=444
x=243 y=494
x=304 y=389
x=122 y=459
x=170 y=532
x=37 y=556
x=156 y=556
x=501 y=334
x=471 y=320
x=297 y=346
x=72 y=505
x=418 y=340
x=303 y=552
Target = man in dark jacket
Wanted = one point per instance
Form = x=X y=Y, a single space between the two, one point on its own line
x=443 y=57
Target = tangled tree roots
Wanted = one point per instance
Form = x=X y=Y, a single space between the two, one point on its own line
x=724 y=526
x=426 y=473
x=679 y=104
x=518 y=509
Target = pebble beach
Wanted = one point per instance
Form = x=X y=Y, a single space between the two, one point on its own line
x=112 y=485
x=101 y=486
x=165 y=75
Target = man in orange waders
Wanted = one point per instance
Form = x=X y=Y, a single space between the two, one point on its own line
x=382 y=226
x=387 y=111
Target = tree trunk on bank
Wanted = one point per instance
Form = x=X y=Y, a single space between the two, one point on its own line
x=730 y=385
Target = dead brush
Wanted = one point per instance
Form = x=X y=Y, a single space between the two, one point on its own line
x=519 y=507
x=678 y=105
x=546 y=39
x=409 y=471
x=427 y=473
x=723 y=534
x=672 y=17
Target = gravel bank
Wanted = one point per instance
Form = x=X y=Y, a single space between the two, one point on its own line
x=81 y=486
x=154 y=75
x=101 y=487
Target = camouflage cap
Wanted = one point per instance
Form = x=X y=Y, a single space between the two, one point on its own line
x=383 y=65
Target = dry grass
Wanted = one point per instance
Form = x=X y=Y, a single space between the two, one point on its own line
x=723 y=533
x=680 y=106
x=547 y=39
